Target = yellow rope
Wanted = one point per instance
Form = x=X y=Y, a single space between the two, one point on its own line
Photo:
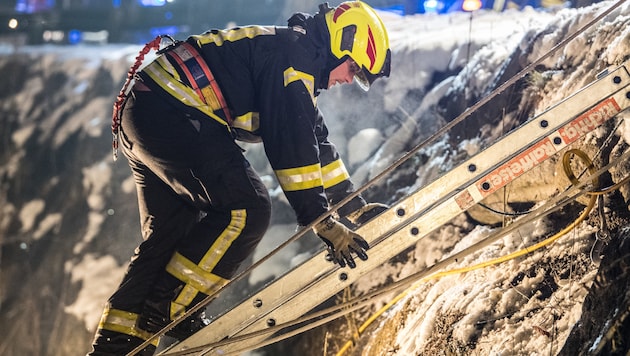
x=569 y=173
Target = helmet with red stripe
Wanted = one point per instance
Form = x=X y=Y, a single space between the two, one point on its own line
x=356 y=31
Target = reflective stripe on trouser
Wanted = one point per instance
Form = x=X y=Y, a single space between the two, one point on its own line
x=194 y=189
x=120 y=325
x=198 y=277
x=203 y=265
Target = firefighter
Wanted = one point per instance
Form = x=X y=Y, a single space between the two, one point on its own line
x=203 y=209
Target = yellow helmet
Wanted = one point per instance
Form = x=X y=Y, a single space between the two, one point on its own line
x=358 y=32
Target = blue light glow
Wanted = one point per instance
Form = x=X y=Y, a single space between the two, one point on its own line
x=29 y=6
x=164 y=30
x=74 y=36
x=147 y=3
x=431 y=6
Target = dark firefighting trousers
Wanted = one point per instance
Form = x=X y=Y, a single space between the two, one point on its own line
x=203 y=210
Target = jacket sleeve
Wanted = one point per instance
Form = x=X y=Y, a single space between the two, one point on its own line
x=288 y=116
x=336 y=179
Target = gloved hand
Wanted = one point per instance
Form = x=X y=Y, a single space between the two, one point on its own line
x=341 y=242
x=366 y=213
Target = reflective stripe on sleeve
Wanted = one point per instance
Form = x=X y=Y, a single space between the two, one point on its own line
x=334 y=173
x=300 y=178
x=248 y=122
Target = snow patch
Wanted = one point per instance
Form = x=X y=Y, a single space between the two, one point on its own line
x=98 y=276
x=362 y=145
x=29 y=213
x=20 y=135
x=51 y=222
x=276 y=235
x=96 y=178
x=95 y=220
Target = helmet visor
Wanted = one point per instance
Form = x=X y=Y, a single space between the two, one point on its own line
x=359 y=76
x=364 y=78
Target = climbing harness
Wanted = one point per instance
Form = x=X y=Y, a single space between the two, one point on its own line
x=199 y=76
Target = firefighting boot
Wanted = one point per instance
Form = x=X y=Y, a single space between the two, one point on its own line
x=154 y=319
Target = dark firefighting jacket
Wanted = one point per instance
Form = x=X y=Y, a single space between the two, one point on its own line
x=269 y=79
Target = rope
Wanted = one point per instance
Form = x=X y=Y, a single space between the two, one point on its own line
x=203 y=303
x=122 y=95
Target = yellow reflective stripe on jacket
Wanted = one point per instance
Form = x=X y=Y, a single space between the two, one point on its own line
x=170 y=81
x=123 y=322
x=291 y=75
x=198 y=277
x=231 y=35
x=168 y=67
x=300 y=178
x=248 y=122
x=177 y=89
x=334 y=173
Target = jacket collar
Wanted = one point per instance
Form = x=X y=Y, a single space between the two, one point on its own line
x=316 y=33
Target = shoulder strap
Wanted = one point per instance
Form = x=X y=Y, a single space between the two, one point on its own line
x=200 y=77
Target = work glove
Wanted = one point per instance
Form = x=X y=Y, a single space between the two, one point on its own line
x=366 y=213
x=341 y=241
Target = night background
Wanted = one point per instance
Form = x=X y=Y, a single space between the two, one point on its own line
x=139 y=21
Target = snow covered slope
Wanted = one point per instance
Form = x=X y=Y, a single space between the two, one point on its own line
x=69 y=220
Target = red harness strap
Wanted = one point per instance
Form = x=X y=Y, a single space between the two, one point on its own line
x=200 y=77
